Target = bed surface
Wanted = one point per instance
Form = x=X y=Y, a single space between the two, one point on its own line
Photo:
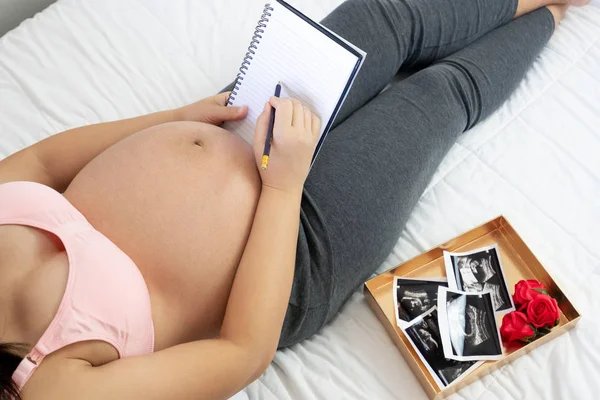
x=536 y=161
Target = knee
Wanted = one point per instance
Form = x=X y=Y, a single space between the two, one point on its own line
x=461 y=89
x=468 y=89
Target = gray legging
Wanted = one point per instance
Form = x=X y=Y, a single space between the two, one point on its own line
x=384 y=148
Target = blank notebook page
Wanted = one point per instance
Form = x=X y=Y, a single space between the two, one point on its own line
x=311 y=66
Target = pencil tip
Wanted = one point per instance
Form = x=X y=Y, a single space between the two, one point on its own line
x=279 y=83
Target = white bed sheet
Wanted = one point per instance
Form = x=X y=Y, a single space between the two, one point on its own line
x=536 y=160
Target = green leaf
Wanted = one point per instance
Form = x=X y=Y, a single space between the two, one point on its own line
x=544 y=331
x=532 y=337
x=542 y=291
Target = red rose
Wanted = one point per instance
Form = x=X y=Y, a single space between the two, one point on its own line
x=516 y=327
x=527 y=290
x=543 y=312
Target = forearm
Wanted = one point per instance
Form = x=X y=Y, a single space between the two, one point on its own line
x=65 y=154
x=262 y=285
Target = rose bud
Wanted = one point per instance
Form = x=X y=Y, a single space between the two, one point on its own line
x=516 y=327
x=543 y=312
x=527 y=290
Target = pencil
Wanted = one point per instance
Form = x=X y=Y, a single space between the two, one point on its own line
x=269 y=138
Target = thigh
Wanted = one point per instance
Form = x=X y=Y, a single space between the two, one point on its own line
x=374 y=26
x=371 y=172
x=409 y=34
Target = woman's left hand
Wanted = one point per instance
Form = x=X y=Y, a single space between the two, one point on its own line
x=211 y=110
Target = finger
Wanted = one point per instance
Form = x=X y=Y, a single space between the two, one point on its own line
x=260 y=132
x=222 y=113
x=307 y=119
x=316 y=125
x=283 y=116
x=297 y=114
x=222 y=98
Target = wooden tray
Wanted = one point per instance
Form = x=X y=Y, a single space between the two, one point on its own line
x=518 y=262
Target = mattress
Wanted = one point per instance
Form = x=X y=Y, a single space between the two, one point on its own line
x=536 y=161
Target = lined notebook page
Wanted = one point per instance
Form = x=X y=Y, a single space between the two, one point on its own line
x=312 y=68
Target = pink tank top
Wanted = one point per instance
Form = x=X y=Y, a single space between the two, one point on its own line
x=106 y=297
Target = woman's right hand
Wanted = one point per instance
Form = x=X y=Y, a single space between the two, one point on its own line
x=295 y=137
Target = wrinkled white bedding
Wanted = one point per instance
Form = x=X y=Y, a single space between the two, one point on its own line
x=537 y=161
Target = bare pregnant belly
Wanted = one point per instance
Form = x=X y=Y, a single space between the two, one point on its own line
x=179 y=199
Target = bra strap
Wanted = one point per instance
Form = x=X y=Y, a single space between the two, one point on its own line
x=27 y=367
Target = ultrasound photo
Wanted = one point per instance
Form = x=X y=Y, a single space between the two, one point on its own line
x=468 y=326
x=424 y=335
x=413 y=297
x=480 y=271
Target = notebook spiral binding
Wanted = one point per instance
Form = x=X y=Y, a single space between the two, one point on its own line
x=262 y=23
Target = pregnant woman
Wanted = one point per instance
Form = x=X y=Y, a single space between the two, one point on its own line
x=150 y=259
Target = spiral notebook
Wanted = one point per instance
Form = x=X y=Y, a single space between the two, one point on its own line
x=314 y=65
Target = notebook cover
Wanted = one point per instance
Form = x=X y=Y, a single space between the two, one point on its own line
x=359 y=60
